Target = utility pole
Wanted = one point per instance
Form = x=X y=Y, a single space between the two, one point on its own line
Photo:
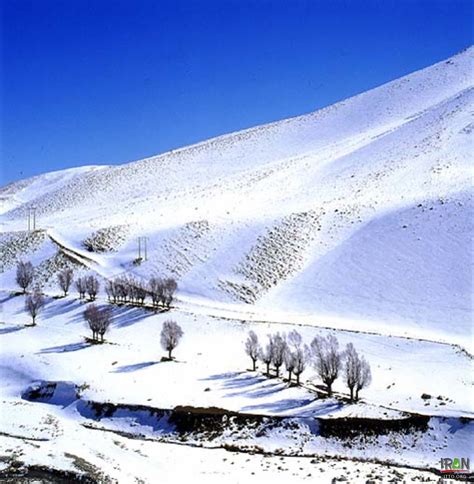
x=31 y=219
x=145 y=239
x=142 y=242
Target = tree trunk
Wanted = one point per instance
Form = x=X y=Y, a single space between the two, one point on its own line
x=357 y=395
x=329 y=386
x=277 y=369
x=297 y=378
x=254 y=364
x=352 y=393
x=268 y=369
x=289 y=376
x=169 y=354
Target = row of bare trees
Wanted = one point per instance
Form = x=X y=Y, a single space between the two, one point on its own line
x=129 y=289
x=89 y=285
x=162 y=291
x=323 y=354
x=124 y=289
x=280 y=350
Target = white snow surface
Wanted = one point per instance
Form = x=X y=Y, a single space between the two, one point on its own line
x=360 y=212
x=355 y=220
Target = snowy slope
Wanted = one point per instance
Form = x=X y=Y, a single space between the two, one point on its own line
x=355 y=221
x=360 y=212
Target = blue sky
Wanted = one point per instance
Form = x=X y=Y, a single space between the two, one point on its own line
x=106 y=81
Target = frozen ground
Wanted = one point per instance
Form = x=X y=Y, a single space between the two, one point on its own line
x=355 y=220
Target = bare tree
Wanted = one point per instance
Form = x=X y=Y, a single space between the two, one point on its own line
x=252 y=348
x=278 y=353
x=65 y=278
x=130 y=284
x=24 y=275
x=140 y=292
x=357 y=372
x=155 y=287
x=126 y=288
x=34 y=304
x=326 y=359
x=91 y=315
x=365 y=377
x=81 y=287
x=133 y=289
x=92 y=287
x=99 y=320
x=171 y=334
x=104 y=322
x=297 y=355
x=169 y=288
x=289 y=363
x=111 y=291
x=122 y=289
x=300 y=359
x=266 y=354
x=294 y=339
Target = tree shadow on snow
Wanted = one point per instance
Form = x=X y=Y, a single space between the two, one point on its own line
x=236 y=379
x=11 y=329
x=243 y=382
x=65 y=348
x=266 y=390
x=126 y=316
x=223 y=376
x=315 y=407
x=7 y=297
x=135 y=367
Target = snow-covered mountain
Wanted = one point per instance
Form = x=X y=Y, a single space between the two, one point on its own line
x=358 y=215
x=354 y=221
